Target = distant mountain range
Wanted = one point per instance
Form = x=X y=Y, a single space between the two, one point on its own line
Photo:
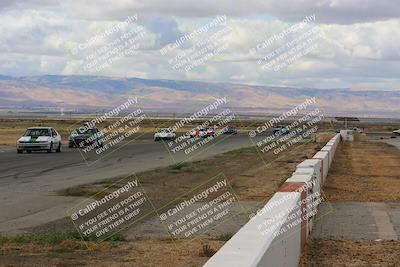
x=166 y=96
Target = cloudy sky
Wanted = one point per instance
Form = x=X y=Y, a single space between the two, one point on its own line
x=350 y=43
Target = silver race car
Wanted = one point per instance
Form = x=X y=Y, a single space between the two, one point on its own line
x=164 y=134
x=39 y=138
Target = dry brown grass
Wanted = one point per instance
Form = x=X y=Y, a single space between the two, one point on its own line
x=351 y=253
x=67 y=245
x=133 y=253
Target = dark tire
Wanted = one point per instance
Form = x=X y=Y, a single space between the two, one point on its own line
x=50 y=149
x=59 y=148
x=19 y=151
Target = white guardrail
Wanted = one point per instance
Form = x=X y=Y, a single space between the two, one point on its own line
x=257 y=242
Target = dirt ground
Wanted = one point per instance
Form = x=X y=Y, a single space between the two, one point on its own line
x=334 y=253
x=133 y=253
x=364 y=171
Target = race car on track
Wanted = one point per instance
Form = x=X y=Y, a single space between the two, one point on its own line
x=164 y=134
x=85 y=136
x=202 y=132
x=195 y=132
x=281 y=129
x=230 y=130
x=39 y=138
x=209 y=132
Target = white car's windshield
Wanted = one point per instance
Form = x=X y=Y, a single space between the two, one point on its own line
x=37 y=132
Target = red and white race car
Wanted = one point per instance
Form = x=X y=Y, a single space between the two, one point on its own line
x=209 y=132
x=202 y=132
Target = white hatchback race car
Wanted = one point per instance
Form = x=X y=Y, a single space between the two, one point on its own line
x=39 y=138
x=164 y=134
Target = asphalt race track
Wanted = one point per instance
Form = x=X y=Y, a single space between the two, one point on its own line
x=28 y=182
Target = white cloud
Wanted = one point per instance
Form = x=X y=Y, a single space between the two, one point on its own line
x=332 y=11
x=39 y=40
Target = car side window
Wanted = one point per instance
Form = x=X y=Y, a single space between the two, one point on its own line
x=53 y=132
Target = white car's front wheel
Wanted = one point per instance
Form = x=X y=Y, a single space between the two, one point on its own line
x=50 y=149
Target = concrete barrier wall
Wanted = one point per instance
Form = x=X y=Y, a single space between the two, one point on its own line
x=312 y=189
x=254 y=246
x=316 y=165
x=347 y=135
x=334 y=142
x=250 y=247
x=330 y=151
x=324 y=157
